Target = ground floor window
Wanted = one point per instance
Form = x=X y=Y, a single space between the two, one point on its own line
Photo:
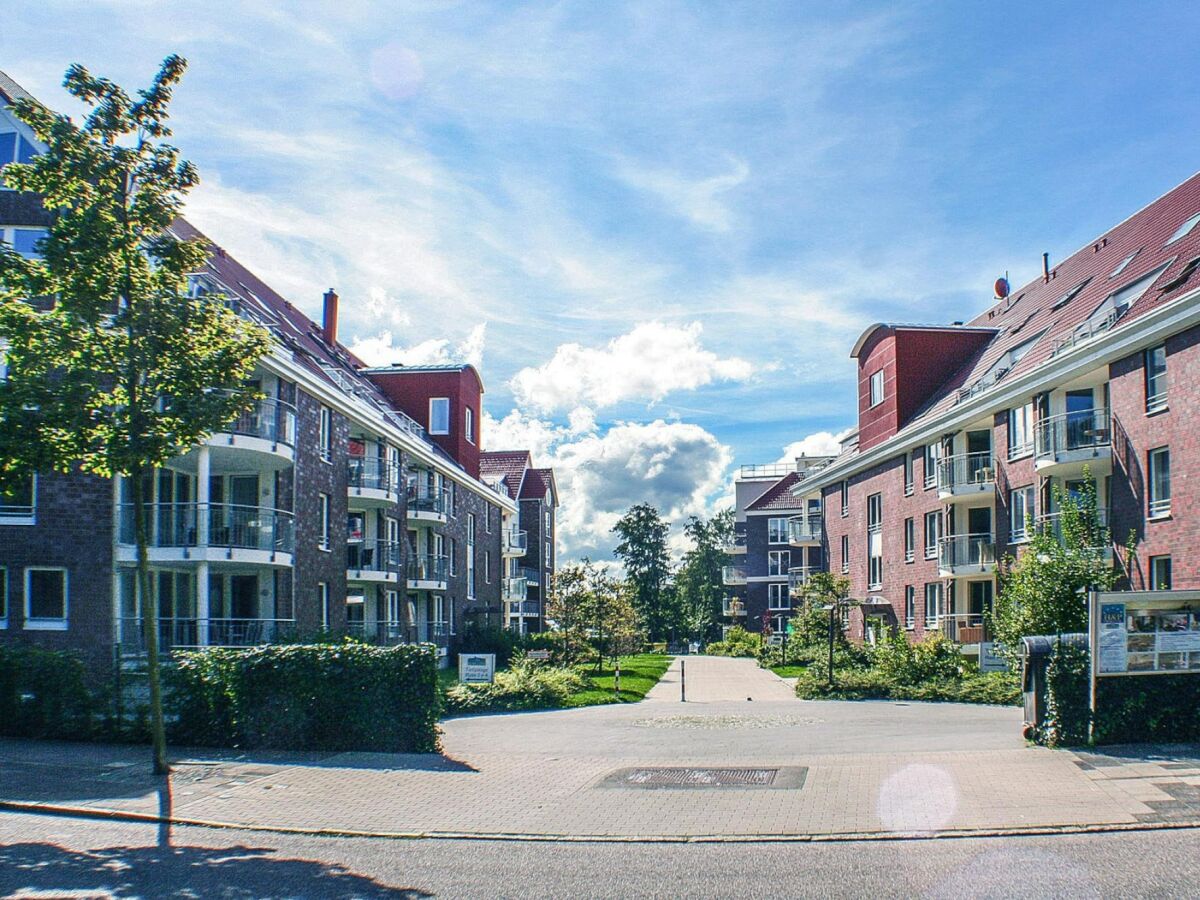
x=933 y=603
x=1160 y=573
x=910 y=606
x=46 y=598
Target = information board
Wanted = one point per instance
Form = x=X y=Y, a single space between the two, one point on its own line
x=1148 y=632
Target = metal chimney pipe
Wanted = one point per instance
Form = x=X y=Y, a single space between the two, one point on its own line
x=1046 y=268
x=329 y=320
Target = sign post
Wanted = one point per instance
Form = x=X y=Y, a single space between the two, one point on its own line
x=476 y=668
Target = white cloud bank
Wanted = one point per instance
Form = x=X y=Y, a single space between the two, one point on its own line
x=645 y=364
x=380 y=350
x=821 y=443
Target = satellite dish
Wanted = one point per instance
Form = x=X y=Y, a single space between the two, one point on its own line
x=1001 y=288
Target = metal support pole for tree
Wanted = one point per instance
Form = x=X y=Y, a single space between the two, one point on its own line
x=682 y=682
x=832 y=612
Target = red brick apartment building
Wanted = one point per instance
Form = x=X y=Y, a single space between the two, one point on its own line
x=966 y=430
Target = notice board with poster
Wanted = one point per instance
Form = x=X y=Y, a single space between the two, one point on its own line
x=1145 y=633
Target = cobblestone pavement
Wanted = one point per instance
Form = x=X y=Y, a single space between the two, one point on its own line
x=868 y=768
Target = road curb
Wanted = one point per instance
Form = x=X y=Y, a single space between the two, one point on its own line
x=117 y=815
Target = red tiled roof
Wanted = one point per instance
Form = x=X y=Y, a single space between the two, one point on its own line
x=537 y=482
x=778 y=495
x=507 y=466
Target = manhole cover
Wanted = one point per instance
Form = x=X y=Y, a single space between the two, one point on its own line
x=707 y=777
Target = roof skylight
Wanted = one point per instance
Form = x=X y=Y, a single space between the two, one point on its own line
x=1184 y=228
x=1123 y=263
x=1071 y=294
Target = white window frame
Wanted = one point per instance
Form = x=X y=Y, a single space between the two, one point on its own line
x=1156 y=384
x=1158 y=507
x=777 y=530
x=1020 y=419
x=469 y=424
x=470 y=556
x=875 y=541
x=910 y=539
x=845 y=554
x=938 y=598
x=49 y=624
x=845 y=488
x=323 y=603
x=439 y=400
x=931 y=550
x=931 y=454
x=323 y=522
x=487 y=566
x=778 y=563
x=1154 y=563
x=910 y=607
x=778 y=596
x=1185 y=228
x=875 y=389
x=1018 y=530
x=325 y=435
x=19 y=515
x=910 y=474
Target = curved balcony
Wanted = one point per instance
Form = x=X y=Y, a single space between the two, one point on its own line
x=372 y=481
x=804 y=530
x=513 y=542
x=190 y=633
x=524 y=608
x=267 y=429
x=372 y=561
x=736 y=544
x=966 y=554
x=428 y=572
x=733 y=574
x=733 y=608
x=966 y=476
x=798 y=575
x=210 y=532
x=1064 y=444
x=426 y=504
x=514 y=589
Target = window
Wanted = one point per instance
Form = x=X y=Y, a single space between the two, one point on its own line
x=778 y=596
x=323 y=603
x=908 y=474
x=845 y=554
x=1160 y=573
x=323 y=521
x=1122 y=264
x=933 y=533
x=1156 y=379
x=326 y=434
x=3 y=597
x=1160 y=482
x=452 y=561
x=910 y=539
x=845 y=498
x=471 y=555
x=14 y=148
x=439 y=415
x=487 y=566
x=1115 y=304
x=24 y=240
x=1020 y=431
x=875 y=540
x=1020 y=512
x=933 y=603
x=877 y=388
x=1184 y=228
x=910 y=607
x=547 y=562
x=778 y=562
x=17 y=505
x=1070 y=295
x=452 y=492
x=469 y=423
x=931 y=458
x=46 y=599
x=777 y=531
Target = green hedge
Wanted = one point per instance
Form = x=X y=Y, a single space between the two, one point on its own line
x=349 y=696
x=45 y=694
x=998 y=688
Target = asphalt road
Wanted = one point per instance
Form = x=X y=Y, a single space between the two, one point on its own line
x=44 y=856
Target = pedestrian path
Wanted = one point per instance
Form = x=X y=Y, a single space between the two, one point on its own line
x=715 y=679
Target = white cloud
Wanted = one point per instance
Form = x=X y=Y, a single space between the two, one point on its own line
x=381 y=350
x=644 y=364
x=821 y=443
x=696 y=200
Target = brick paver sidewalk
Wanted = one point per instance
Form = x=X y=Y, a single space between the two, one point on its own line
x=711 y=679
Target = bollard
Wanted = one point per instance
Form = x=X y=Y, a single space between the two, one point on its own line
x=682 y=682
x=617 y=682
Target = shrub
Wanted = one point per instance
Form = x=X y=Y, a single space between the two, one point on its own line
x=525 y=685
x=348 y=696
x=737 y=642
x=934 y=657
x=44 y=694
x=998 y=688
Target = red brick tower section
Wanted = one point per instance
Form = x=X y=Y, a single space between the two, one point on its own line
x=419 y=390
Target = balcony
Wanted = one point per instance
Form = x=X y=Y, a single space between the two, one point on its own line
x=428 y=572
x=514 y=589
x=735 y=545
x=733 y=574
x=372 y=481
x=967 y=475
x=798 y=576
x=189 y=633
x=1095 y=536
x=963 y=628
x=427 y=504
x=372 y=560
x=513 y=542
x=210 y=532
x=733 y=608
x=1064 y=444
x=267 y=429
x=524 y=608
x=966 y=554
x=804 y=530
x=436 y=633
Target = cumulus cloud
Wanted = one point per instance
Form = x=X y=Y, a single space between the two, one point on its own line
x=646 y=364
x=821 y=443
x=381 y=350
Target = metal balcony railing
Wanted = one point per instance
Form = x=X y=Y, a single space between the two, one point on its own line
x=965 y=470
x=804 y=528
x=373 y=473
x=736 y=544
x=962 y=550
x=964 y=628
x=373 y=556
x=425 y=499
x=798 y=575
x=269 y=419
x=229 y=526
x=428 y=568
x=1087 y=430
x=189 y=632
x=514 y=541
x=524 y=608
x=437 y=633
x=514 y=589
x=733 y=574
x=1051 y=523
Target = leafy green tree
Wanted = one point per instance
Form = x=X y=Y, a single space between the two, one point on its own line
x=698 y=585
x=566 y=608
x=114 y=369
x=643 y=550
x=1044 y=590
x=612 y=623
x=810 y=620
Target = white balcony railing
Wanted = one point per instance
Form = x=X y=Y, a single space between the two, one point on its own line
x=1088 y=431
x=804 y=529
x=960 y=552
x=966 y=472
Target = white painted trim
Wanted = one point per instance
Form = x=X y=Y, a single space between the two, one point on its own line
x=32 y=624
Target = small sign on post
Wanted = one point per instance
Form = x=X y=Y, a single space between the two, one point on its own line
x=539 y=655
x=476 y=668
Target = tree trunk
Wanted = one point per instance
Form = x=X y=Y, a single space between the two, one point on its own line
x=149 y=626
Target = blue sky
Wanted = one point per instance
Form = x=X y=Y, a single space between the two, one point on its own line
x=658 y=226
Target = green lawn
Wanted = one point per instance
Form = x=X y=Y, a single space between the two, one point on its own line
x=788 y=671
x=638 y=674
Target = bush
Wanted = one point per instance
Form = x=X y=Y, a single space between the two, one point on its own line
x=932 y=658
x=998 y=688
x=348 y=696
x=44 y=694
x=737 y=642
x=527 y=684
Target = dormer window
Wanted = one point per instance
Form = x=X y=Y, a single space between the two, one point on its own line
x=1123 y=263
x=1185 y=228
x=469 y=424
x=1115 y=304
x=877 y=388
x=14 y=148
x=439 y=415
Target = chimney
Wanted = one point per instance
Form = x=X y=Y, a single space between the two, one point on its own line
x=329 y=319
x=1046 y=268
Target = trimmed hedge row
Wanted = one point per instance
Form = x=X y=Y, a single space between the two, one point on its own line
x=997 y=688
x=45 y=694
x=348 y=696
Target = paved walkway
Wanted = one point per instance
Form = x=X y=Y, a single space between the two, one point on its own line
x=713 y=679
x=870 y=768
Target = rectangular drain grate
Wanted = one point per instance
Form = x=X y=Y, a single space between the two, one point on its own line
x=705 y=777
